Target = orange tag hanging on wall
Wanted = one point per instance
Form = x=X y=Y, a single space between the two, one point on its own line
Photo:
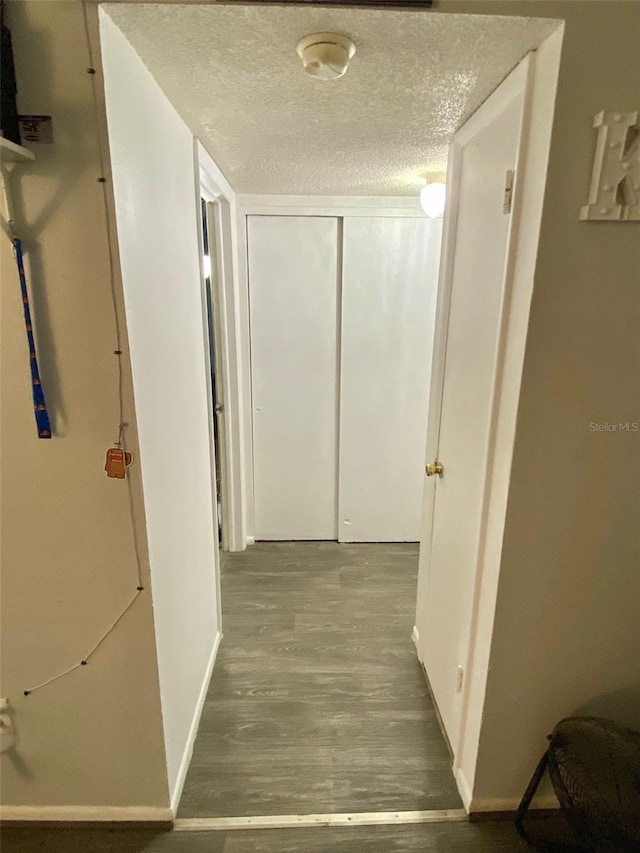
x=117 y=462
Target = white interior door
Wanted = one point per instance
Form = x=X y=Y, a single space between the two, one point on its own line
x=472 y=292
x=293 y=287
x=389 y=287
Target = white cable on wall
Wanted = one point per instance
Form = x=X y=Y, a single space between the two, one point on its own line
x=121 y=427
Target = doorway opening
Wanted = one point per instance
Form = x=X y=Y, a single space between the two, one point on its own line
x=317 y=277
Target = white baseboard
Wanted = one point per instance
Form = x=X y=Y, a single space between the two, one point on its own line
x=251 y=540
x=98 y=814
x=193 y=730
x=464 y=789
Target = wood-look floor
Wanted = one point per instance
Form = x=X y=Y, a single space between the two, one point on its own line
x=317 y=704
x=317 y=701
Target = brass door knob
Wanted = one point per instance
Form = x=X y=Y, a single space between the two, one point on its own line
x=435 y=468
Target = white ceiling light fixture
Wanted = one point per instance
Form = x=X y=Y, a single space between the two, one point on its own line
x=325 y=56
x=433 y=197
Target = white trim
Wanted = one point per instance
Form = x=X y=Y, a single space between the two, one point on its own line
x=251 y=540
x=208 y=390
x=282 y=205
x=87 y=813
x=244 y=368
x=218 y=219
x=464 y=789
x=214 y=187
x=286 y=821
x=193 y=729
x=212 y=178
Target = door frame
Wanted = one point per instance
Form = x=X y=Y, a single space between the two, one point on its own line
x=212 y=186
x=537 y=74
x=216 y=217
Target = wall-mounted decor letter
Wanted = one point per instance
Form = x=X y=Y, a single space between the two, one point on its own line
x=615 y=182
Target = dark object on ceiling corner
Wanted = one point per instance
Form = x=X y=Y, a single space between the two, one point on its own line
x=9 y=127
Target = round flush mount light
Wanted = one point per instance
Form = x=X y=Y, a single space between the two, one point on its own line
x=325 y=56
x=432 y=199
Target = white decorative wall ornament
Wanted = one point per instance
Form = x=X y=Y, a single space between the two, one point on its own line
x=615 y=183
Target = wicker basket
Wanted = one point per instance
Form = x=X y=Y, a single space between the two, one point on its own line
x=594 y=765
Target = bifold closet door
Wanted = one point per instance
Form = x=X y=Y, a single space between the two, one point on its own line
x=293 y=292
x=389 y=285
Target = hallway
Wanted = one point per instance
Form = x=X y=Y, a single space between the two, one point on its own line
x=317 y=701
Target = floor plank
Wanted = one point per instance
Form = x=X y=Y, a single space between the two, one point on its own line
x=317 y=701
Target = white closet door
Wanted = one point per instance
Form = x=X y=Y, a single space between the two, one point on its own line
x=293 y=285
x=388 y=310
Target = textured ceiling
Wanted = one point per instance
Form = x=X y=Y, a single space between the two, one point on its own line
x=233 y=74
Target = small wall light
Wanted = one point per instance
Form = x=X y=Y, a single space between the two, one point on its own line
x=432 y=198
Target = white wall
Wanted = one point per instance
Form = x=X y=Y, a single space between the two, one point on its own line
x=152 y=154
x=568 y=595
x=90 y=745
